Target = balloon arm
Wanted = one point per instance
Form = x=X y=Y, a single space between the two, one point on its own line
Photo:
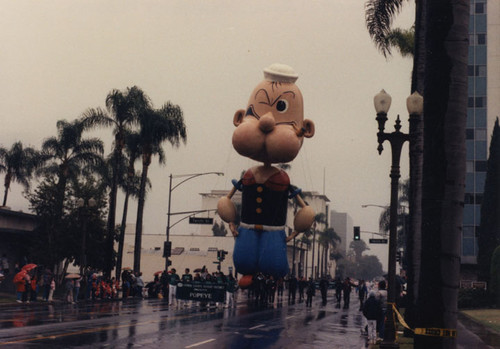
x=292 y=236
x=300 y=201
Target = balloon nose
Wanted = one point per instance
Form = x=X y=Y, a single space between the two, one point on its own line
x=267 y=123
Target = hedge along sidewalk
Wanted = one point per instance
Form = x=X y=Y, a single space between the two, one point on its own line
x=487 y=317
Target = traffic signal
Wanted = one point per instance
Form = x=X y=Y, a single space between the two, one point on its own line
x=357 y=234
x=221 y=255
x=167 y=249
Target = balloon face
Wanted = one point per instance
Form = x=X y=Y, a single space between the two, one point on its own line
x=272 y=128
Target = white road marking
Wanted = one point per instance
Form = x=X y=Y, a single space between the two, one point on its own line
x=253 y=328
x=289 y=317
x=200 y=343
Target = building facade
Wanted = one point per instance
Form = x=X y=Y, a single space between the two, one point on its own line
x=343 y=225
x=482 y=108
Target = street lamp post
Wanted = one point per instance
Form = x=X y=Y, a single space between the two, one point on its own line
x=84 y=207
x=186 y=177
x=397 y=138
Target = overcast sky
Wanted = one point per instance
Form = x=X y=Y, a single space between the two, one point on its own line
x=59 y=58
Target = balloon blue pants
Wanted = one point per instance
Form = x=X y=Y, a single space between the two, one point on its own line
x=260 y=251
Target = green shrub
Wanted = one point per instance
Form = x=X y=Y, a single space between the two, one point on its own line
x=495 y=275
x=474 y=298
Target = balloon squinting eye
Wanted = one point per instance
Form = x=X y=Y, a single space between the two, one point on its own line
x=282 y=105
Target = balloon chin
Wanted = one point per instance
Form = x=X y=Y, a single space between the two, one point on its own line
x=279 y=146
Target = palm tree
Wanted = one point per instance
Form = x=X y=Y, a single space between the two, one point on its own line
x=378 y=15
x=156 y=127
x=445 y=105
x=327 y=238
x=68 y=155
x=131 y=184
x=121 y=114
x=18 y=164
x=384 y=221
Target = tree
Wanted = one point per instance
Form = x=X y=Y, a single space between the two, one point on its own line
x=131 y=186
x=17 y=163
x=69 y=155
x=52 y=246
x=219 y=229
x=379 y=15
x=358 y=247
x=495 y=275
x=121 y=114
x=327 y=238
x=489 y=230
x=445 y=111
x=384 y=221
x=156 y=127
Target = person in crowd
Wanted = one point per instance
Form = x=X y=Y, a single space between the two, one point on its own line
x=34 y=288
x=20 y=289
x=311 y=290
x=231 y=287
x=302 y=285
x=292 y=289
x=4 y=264
x=46 y=277
x=69 y=291
x=27 y=288
x=372 y=310
x=338 y=291
x=187 y=277
x=280 y=285
x=270 y=289
x=76 y=289
x=362 y=292
x=52 y=289
x=382 y=298
x=172 y=289
x=323 y=287
x=347 y=289
x=164 y=281
x=139 y=284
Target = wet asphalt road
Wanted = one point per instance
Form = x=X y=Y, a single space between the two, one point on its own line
x=152 y=324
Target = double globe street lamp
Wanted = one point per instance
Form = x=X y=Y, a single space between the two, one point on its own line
x=414 y=104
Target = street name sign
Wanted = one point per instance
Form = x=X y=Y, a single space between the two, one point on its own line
x=201 y=220
x=378 y=241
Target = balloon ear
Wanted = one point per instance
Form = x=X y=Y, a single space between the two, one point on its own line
x=308 y=127
x=238 y=117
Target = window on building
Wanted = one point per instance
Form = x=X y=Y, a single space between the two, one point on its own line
x=480 y=134
x=481 y=39
x=469 y=166
x=481 y=166
x=480 y=70
x=469 y=198
x=469 y=133
x=480 y=8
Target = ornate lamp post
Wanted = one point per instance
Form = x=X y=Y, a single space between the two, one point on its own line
x=84 y=207
x=397 y=138
x=187 y=177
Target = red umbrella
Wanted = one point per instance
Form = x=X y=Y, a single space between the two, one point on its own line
x=20 y=276
x=29 y=267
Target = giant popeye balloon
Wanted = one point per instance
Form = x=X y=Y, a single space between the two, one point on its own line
x=270 y=130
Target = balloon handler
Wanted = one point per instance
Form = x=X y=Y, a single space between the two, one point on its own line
x=271 y=130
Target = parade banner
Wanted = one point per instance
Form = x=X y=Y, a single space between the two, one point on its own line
x=202 y=292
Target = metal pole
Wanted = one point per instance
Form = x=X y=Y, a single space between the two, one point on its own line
x=168 y=217
x=396 y=140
